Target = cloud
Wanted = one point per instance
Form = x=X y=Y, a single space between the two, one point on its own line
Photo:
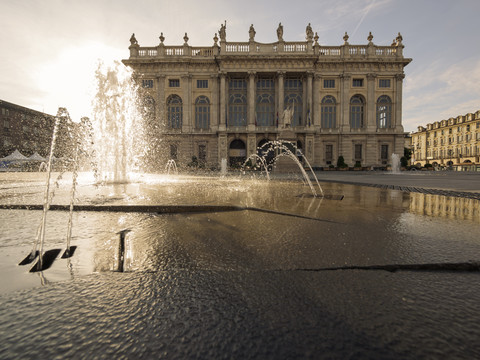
x=440 y=92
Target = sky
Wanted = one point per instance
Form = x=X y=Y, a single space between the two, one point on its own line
x=51 y=48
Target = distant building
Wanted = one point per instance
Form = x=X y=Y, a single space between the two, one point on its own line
x=24 y=129
x=229 y=99
x=452 y=142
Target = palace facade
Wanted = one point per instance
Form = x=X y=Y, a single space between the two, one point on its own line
x=453 y=142
x=229 y=99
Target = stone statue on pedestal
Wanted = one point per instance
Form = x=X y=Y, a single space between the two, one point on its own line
x=287 y=116
x=223 y=31
x=133 y=40
x=251 y=33
x=309 y=32
x=280 y=32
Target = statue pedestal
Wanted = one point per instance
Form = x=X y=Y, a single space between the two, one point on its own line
x=285 y=164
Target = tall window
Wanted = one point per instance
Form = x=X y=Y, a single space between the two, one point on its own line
x=329 y=154
x=202 y=154
x=173 y=151
x=265 y=109
x=329 y=115
x=358 y=152
x=384 y=154
x=293 y=97
x=357 y=112
x=237 y=102
x=202 y=112
x=384 y=112
x=175 y=111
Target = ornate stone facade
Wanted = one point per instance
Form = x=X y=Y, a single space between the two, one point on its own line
x=228 y=99
x=452 y=142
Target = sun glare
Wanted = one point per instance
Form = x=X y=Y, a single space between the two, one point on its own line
x=69 y=80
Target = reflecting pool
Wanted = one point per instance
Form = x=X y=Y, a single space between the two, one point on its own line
x=281 y=274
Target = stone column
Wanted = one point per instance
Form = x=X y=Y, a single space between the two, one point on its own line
x=281 y=96
x=371 y=116
x=309 y=111
x=251 y=101
x=223 y=95
x=317 y=80
x=214 y=103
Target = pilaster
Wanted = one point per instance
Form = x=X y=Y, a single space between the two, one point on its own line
x=161 y=99
x=223 y=109
x=371 y=104
x=317 y=80
x=251 y=101
x=214 y=120
x=397 y=118
x=187 y=106
x=344 y=125
x=281 y=96
x=309 y=113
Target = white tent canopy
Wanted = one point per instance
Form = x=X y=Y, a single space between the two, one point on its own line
x=36 y=157
x=15 y=156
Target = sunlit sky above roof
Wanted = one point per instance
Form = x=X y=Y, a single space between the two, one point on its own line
x=50 y=48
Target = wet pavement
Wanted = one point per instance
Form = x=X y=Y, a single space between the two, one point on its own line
x=285 y=275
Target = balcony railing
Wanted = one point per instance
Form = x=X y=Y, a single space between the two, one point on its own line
x=278 y=48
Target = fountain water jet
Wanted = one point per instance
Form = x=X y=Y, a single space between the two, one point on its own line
x=395 y=164
x=118 y=131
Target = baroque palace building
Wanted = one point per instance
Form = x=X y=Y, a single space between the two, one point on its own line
x=452 y=142
x=229 y=99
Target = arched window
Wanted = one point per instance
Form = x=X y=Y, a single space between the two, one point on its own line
x=237 y=110
x=237 y=102
x=202 y=112
x=175 y=111
x=329 y=112
x=384 y=112
x=357 y=105
x=265 y=110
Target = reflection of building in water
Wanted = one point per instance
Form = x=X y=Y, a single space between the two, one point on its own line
x=445 y=206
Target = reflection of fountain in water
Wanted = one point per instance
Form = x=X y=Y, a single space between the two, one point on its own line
x=171 y=165
x=118 y=135
x=395 y=164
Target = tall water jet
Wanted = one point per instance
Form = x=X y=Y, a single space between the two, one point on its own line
x=117 y=124
x=395 y=164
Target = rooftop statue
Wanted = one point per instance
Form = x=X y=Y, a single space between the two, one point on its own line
x=280 y=32
x=251 y=33
x=133 y=40
x=223 y=31
x=309 y=32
